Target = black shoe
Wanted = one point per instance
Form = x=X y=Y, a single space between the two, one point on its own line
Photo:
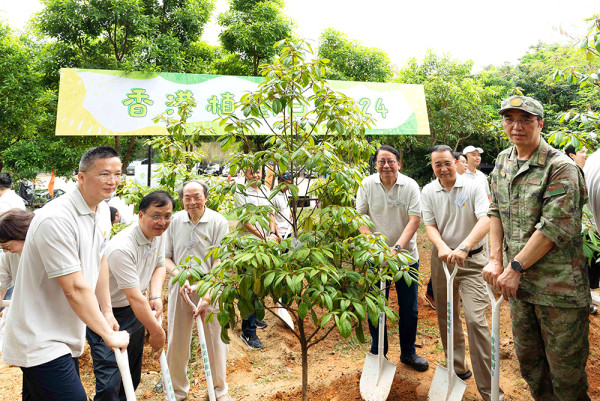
x=593 y=310
x=252 y=342
x=261 y=324
x=418 y=363
x=465 y=375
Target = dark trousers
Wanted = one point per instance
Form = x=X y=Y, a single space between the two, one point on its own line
x=55 y=380
x=249 y=325
x=409 y=314
x=109 y=385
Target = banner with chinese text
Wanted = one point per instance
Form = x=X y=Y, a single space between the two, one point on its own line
x=103 y=102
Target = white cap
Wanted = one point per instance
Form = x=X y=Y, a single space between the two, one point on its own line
x=470 y=149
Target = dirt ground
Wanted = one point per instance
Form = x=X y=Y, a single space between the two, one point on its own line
x=335 y=364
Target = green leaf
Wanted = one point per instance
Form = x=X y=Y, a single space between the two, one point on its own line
x=277 y=106
x=302 y=309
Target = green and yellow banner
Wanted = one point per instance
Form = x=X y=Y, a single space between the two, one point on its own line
x=103 y=102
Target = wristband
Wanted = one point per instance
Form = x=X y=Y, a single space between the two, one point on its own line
x=272 y=233
x=152 y=297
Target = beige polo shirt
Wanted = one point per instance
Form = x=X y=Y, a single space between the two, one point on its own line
x=454 y=212
x=132 y=260
x=480 y=178
x=389 y=210
x=184 y=238
x=10 y=200
x=63 y=238
x=257 y=197
x=9 y=263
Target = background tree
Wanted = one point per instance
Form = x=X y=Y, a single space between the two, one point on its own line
x=322 y=276
x=352 y=61
x=124 y=35
x=252 y=27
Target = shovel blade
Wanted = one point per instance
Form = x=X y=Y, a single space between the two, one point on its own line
x=441 y=390
x=286 y=317
x=375 y=386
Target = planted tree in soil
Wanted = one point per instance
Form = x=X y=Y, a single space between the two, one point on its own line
x=322 y=274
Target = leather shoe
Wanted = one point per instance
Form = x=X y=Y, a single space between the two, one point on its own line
x=465 y=375
x=418 y=363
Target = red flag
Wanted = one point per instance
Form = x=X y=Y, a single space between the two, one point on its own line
x=51 y=185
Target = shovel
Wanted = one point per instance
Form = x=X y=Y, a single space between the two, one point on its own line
x=446 y=385
x=123 y=364
x=285 y=316
x=166 y=375
x=207 y=372
x=495 y=343
x=378 y=373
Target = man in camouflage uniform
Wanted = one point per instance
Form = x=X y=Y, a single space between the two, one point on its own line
x=537 y=198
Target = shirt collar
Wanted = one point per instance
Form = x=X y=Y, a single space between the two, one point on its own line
x=80 y=205
x=140 y=237
x=539 y=156
x=399 y=179
x=457 y=184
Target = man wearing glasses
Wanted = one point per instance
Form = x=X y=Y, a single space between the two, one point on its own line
x=192 y=232
x=62 y=285
x=538 y=195
x=136 y=261
x=393 y=203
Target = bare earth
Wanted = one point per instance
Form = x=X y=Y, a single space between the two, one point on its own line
x=335 y=364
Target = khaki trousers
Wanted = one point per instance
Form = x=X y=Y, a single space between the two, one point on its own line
x=181 y=322
x=470 y=287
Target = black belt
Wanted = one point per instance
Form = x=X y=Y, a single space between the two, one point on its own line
x=475 y=251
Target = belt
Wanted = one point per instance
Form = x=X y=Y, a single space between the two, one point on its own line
x=475 y=251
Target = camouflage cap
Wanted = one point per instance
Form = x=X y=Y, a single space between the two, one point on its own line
x=525 y=103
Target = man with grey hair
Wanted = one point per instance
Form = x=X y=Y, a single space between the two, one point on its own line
x=192 y=232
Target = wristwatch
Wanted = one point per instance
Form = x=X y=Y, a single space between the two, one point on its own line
x=516 y=266
x=463 y=248
x=398 y=248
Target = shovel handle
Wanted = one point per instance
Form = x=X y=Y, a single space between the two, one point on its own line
x=495 y=363
x=5 y=303
x=204 y=351
x=166 y=374
x=123 y=364
x=450 y=322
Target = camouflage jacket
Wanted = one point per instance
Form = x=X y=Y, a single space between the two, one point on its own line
x=546 y=194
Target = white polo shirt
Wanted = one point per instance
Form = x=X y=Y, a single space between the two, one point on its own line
x=132 y=260
x=283 y=216
x=389 y=210
x=63 y=238
x=9 y=264
x=184 y=238
x=10 y=200
x=480 y=178
x=454 y=212
x=591 y=172
x=257 y=197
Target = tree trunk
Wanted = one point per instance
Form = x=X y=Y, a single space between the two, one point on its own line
x=304 y=348
x=117 y=144
x=128 y=153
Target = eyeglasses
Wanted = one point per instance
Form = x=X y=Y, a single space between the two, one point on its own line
x=523 y=121
x=390 y=163
x=106 y=177
x=5 y=247
x=156 y=218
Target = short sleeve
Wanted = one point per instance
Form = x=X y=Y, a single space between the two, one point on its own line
x=56 y=241
x=426 y=204
x=122 y=266
x=240 y=199
x=414 y=207
x=362 y=205
x=6 y=279
x=160 y=260
x=168 y=241
x=221 y=230
x=480 y=201
x=493 y=210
